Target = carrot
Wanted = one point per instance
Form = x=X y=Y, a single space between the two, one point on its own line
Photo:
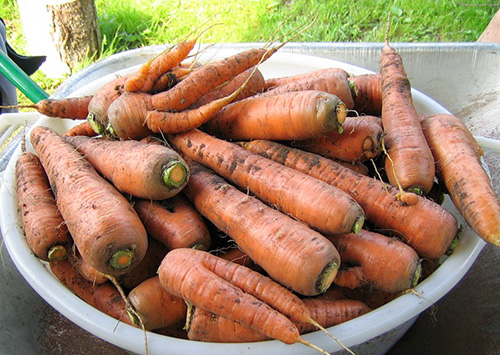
x=105 y=228
x=425 y=225
x=44 y=227
x=253 y=87
x=368 y=98
x=104 y=297
x=238 y=256
x=206 y=326
x=82 y=129
x=272 y=83
x=332 y=80
x=291 y=192
x=457 y=157
x=172 y=77
x=409 y=164
x=281 y=245
x=234 y=291
x=360 y=140
x=385 y=263
x=87 y=271
x=68 y=107
x=174 y=222
x=156 y=307
x=144 y=78
x=149 y=171
x=286 y=116
x=98 y=107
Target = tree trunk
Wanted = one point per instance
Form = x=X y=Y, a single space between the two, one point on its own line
x=74 y=30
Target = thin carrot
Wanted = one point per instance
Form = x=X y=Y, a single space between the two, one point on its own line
x=105 y=228
x=409 y=164
x=174 y=222
x=281 y=245
x=293 y=193
x=104 y=297
x=87 y=271
x=332 y=80
x=156 y=307
x=360 y=140
x=426 y=226
x=234 y=291
x=69 y=107
x=274 y=82
x=143 y=170
x=82 y=129
x=457 y=156
x=386 y=263
x=172 y=77
x=44 y=227
x=236 y=255
x=368 y=98
x=286 y=116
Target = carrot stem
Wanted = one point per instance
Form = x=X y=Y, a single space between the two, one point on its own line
x=326 y=277
x=57 y=252
x=175 y=174
x=122 y=259
x=360 y=221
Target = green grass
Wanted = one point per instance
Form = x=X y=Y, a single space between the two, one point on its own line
x=131 y=24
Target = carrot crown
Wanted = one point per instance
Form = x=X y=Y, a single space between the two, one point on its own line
x=175 y=174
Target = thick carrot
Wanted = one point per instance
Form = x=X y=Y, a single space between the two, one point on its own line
x=409 y=164
x=286 y=116
x=105 y=228
x=68 y=107
x=385 y=263
x=426 y=226
x=144 y=78
x=174 y=222
x=360 y=140
x=104 y=297
x=44 y=227
x=368 y=98
x=457 y=156
x=82 y=129
x=234 y=291
x=206 y=326
x=291 y=192
x=281 y=245
x=333 y=80
x=156 y=307
x=149 y=171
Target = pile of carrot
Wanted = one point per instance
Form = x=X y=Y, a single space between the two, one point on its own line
x=226 y=206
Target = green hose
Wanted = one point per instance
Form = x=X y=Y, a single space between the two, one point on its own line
x=20 y=79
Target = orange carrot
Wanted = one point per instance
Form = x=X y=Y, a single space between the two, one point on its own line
x=171 y=78
x=457 y=157
x=234 y=291
x=286 y=116
x=385 y=263
x=82 y=129
x=44 y=227
x=409 y=164
x=174 y=222
x=104 y=297
x=238 y=256
x=156 y=307
x=368 y=98
x=87 y=271
x=105 y=228
x=332 y=80
x=144 y=78
x=425 y=225
x=143 y=170
x=359 y=141
x=68 y=107
x=291 y=192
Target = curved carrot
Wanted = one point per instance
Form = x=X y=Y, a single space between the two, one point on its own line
x=360 y=140
x=286 y=116
x=174 y=222
x=457 y=156
x=105 y=228
x=385 y=263
x=426 y=226
x=82 y=129
x=143 y=170
x=291 y=192
x=368 y=98
x=281 y=245
x=156 y=307
x=410 y=164
x=44 y=227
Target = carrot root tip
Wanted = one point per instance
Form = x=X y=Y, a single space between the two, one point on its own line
x=175 y=174
x=122 y=259
x=57 y=252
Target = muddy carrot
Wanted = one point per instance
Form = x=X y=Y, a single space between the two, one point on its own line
x=82 y=129
x=68 y=107
x=368 y=98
